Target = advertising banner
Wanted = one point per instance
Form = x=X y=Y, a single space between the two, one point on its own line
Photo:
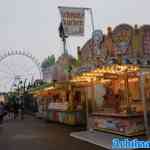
x=146 y=40
x=73 y=20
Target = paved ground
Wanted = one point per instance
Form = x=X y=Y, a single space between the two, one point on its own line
x=34 y=134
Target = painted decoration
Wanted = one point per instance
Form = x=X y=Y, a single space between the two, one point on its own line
x=108 y=42
x=91 y=49
x=97 y=35
x=126 y=126
x=146 y=39
x=88 y=52
x=137 y=42
x=82 y=69
x=122 y=38
x=97 y=39
x=66 y=117
x=132 y=42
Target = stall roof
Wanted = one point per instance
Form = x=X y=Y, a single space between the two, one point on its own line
x=50 y=90
x=110 y=70
x=117 y=69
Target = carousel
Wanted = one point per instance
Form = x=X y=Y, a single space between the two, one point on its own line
x=117 y=103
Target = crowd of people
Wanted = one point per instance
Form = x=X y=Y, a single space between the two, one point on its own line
x=11 y=110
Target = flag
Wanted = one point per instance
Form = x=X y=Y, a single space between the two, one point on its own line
x=73 y=20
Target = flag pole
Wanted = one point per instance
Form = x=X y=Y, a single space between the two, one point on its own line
x=93 y=28
x=92 y=18
x=89 y=126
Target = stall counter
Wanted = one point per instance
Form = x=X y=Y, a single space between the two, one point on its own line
x=66 y=117
x=123 y=124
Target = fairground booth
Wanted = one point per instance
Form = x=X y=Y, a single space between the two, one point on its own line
x=64 y=103
x=42 y=100
x=120 y=96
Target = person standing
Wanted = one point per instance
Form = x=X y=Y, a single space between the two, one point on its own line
x=7 y=110
x=16 y=109
x=2 y=111
x=21 y=108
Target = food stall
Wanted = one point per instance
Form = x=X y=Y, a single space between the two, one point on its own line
x=117 y=105
x=66 y=105
x=42 y=100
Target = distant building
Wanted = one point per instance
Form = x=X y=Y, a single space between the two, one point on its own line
x=60 y=70
x=49 y=73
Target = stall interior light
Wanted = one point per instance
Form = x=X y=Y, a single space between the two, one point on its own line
x=92 y=74
x=130 y=80
x=117 y=69
x=87 y=79
x=83 y=79
x=49 y=88
x=133 y=80
x=103 y=81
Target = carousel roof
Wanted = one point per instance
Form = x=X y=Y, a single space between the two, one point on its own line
x=114 y=69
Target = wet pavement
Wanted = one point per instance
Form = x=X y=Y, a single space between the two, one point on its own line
x=35 y=134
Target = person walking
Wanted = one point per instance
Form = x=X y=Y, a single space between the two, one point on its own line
x=12 y=110
x=6 y=111
x=21 y=107
x=22 y=110
x=16 y=109
x=2 y=112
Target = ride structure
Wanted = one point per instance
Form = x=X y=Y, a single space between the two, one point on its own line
x=18 y=66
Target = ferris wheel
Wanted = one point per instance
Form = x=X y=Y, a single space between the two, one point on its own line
x=18 y=66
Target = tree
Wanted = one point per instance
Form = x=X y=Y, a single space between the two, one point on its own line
x=49 y=61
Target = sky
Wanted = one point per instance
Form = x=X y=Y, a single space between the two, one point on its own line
x=32 y=25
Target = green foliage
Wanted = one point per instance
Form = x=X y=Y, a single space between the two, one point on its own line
x=67 y=69
x=78 y=63
x=49 y=61
x=12 y=98
x=36 y=88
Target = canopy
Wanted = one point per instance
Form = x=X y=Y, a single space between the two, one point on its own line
x=109 y=71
